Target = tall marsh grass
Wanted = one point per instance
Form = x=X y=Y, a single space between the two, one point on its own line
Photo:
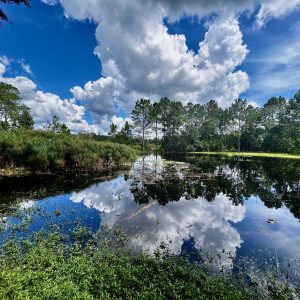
x=48 y=151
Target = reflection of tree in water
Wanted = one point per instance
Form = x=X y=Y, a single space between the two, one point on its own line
x=274 y=181
x=167 y=182
x=13 y=190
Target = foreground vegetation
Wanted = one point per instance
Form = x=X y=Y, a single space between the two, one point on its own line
x=251 y=154
x=31 y=150
x=50 y=267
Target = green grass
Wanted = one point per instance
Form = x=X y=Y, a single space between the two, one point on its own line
x=47 y=151
x=251 y=154
x=50 y=268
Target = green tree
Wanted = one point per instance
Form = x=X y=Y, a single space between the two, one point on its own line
x=210 y=126
x=56 y=126
x=239 y=111
x=12 y=112
x=224 y=126
x=194 y=116
x=173 y=139
x=164 y=106
x=253 y=133
x=155 y=120
x=25 y=119
x=113 y=130
x=64 y=129
x=293 y=109
x=126 y=131
x=281 y=139
x=142 y=118
x=9 y=102
x=274 y=112
x=281 y=120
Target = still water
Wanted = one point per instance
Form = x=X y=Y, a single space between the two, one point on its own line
x=246 y=207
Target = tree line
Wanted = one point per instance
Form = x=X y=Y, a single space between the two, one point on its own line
x=175 y=127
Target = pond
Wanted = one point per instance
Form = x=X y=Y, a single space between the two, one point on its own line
x=245 y=207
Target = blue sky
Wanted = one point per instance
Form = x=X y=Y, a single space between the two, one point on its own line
x=58 y=53
x=59 y=50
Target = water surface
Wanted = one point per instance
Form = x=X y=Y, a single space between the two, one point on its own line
x=191 y=203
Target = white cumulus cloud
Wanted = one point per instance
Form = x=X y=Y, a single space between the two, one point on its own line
x=26 y=67
x=209 y=224
x=275 y=9
x=45 y=105
x=49 y=2
x=2 y=69
x=141 y=59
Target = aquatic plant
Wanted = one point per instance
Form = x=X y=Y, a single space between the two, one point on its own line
x=87 y=266
x=251 y=154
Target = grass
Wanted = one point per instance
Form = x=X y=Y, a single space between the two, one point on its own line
x=48 y=267
x=33 y=150
x=251 y=154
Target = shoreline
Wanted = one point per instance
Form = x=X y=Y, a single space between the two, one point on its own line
x=249 y=154
x=23 y=172
x=39 y=265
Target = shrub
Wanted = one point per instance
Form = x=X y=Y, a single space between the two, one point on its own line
x=51 y=266
x=42 y=150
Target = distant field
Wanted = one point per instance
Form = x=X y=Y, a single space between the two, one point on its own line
x=251 y=154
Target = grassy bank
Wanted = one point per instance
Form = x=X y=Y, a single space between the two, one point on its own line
x=50 y=268
x=26 y=151
x=250 y=154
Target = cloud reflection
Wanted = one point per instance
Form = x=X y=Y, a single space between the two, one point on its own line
x=208 y=223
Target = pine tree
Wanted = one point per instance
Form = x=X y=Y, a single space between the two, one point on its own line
x=142 y=117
